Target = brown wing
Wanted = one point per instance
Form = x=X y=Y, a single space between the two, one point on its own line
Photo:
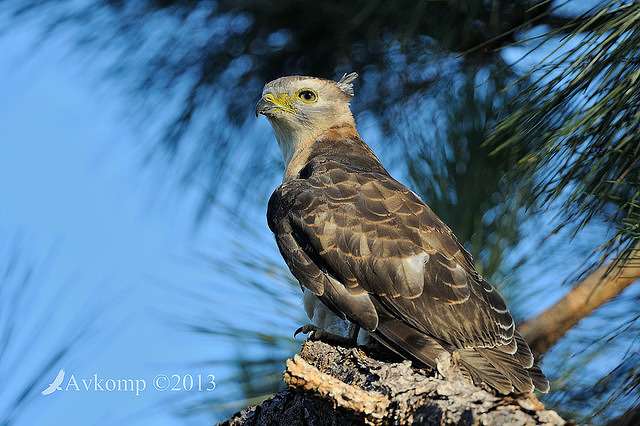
x=376 y=254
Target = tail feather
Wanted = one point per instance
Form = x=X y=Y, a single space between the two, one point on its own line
x=523 y=354
x=539 y=379
x=482 y=370
x=409 y=342
x=508 y=368
x=491 y=361
x=504 y=371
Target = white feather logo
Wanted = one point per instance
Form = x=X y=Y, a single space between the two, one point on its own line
x=55 y=385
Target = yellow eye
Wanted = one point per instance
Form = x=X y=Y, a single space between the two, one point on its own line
x=307 y=95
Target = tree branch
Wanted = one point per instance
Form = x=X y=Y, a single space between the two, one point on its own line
x=597 y=288
x=337 y=385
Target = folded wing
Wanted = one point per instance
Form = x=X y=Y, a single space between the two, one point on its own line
x=376 y=254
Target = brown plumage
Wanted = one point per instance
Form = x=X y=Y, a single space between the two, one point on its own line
x=373 y=252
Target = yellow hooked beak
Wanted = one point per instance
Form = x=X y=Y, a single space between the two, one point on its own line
x=269 y=104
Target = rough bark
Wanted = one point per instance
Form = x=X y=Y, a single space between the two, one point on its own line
x=597 y=288
x=343 y=386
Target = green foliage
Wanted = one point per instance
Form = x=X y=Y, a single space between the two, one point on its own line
x=577 y=124
x=252 y=312
x=575 y=130
x=200 y=66
x=208 y=60
x=459 y=178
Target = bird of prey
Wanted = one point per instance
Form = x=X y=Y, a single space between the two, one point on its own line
x=371 y=255
x=55 y=385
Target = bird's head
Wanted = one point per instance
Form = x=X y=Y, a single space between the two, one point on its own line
x=302 y=108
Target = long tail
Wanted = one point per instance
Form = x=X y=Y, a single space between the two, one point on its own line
x=503 y=371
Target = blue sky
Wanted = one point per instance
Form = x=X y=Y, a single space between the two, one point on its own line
x=118 y=263
x=111 y=238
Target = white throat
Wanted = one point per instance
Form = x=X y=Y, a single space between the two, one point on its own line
x=297 y=134
x=295 y=144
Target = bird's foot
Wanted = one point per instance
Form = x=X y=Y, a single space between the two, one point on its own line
x=316 y=333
